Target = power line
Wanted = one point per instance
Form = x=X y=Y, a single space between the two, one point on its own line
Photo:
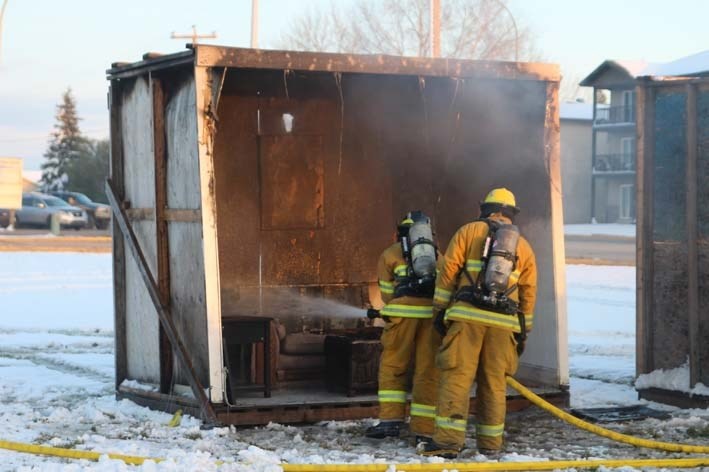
x=254 y=24
x=194 y=36
x=435 y=27
x=2 y=13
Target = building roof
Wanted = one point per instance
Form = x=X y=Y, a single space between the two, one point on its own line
x=631 y=69
x=696 y=64
x=579 y=111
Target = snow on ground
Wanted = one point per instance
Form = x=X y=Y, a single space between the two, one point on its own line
x=672 y=379
x=56 y=385
x=603 y=229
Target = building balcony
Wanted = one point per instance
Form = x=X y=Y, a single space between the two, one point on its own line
x=614 y=164
x=614 y=115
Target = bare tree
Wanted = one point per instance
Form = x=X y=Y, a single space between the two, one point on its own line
x=470 y=29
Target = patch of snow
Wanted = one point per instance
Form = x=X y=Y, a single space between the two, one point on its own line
x=600 y=229
x=676 y=379
x=57 y=386
x=53 y=291
x=587 y=393
x=576 y=111
x=136 y=385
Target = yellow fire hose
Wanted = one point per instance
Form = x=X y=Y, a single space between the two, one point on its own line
x=69 y=453
x=606 y=433
x=439 y=467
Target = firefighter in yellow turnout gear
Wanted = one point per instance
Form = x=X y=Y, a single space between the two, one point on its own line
x=406 y=273
x=484 y=302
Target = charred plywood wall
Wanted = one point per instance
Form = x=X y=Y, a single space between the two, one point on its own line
x=702 y=179
x=142 y=349
x=313 y=170
x=670 y=231
x=187 y=286
x=673 y=304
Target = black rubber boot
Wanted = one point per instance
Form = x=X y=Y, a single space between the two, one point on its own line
x=384 y=429
x=433 y=449
x=490 y=453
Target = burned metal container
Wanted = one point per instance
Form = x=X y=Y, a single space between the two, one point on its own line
x=353 y=361
x=267 y=183
x=673 y=234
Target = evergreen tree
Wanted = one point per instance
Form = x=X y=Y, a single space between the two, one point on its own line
x=65 y=146
x=87 y=174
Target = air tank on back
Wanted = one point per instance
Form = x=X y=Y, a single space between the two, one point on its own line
x=502 y=259
x=423 y=251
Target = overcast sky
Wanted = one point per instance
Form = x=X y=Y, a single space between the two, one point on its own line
x=48 y=45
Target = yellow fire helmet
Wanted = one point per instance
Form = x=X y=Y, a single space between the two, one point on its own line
x=501 y=200
x=411 y=217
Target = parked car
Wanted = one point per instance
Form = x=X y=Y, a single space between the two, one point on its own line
x=38 y=208
x=99 y=214
x=4 y=218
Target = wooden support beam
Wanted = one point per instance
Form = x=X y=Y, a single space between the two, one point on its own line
x=161 y=226
x=645 y=254
x=164 y=314
x=695 y=341
x=119 y=261
x=219 y=56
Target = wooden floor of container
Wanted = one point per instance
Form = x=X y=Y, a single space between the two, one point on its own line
x=304 y=404
x=309 y=394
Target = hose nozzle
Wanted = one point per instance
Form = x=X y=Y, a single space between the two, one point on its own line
x=372 y=313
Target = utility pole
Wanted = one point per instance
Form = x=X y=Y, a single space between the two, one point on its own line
x=254 y=24
x=435 y=28
x=2 y=13
x=194 y=36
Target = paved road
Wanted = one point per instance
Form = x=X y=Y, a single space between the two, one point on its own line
x=592 y=249
x=68 y=241
x=618 y=250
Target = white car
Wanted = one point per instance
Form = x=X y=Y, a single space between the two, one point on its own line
x=38 y=208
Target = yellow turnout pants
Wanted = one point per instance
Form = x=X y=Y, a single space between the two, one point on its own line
x=404 y=340
x=473 y=352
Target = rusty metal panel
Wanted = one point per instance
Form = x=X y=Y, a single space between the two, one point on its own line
x=292 y=182
x=307 y=209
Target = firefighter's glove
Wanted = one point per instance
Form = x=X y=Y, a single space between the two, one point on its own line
x=439 y=323
x=521 y=339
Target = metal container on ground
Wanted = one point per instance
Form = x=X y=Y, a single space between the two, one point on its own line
x=673 y=235
x=266 y=183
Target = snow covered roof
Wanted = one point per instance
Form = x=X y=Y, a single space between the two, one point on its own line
x=576 y=111
x=696 y=64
